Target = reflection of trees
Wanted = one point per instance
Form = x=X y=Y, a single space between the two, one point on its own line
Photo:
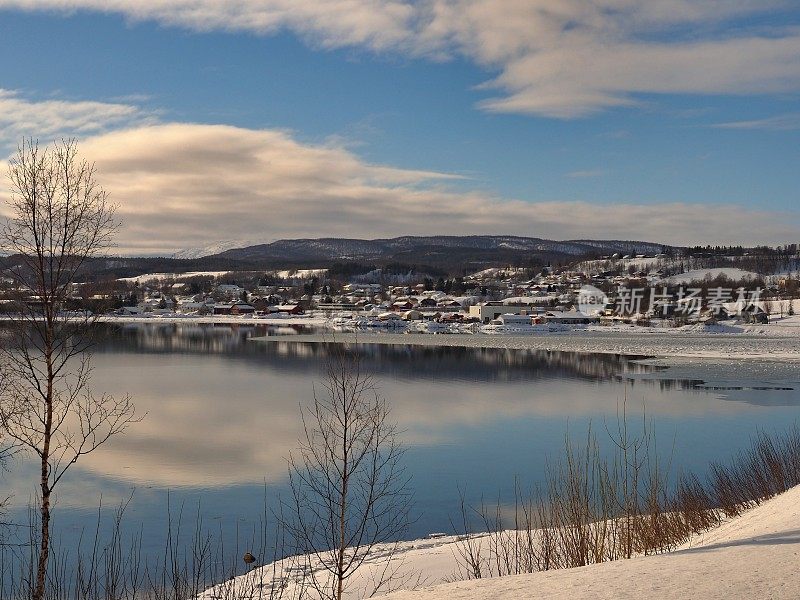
x=666 y=385
x=222 y=392
x=432 y=363
x=404 y=361
x=189 y=339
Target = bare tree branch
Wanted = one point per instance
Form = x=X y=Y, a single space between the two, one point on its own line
x=349 y=489
x=59 y=218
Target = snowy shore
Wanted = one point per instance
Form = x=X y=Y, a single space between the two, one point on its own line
x=751 y=556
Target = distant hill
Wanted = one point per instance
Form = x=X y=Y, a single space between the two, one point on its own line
x=439 y=251
x=436 y=255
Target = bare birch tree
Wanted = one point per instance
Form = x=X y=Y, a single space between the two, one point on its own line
x=58 y=219
x=349 y=490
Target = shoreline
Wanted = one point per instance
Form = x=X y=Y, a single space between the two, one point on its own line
x=752 y=555
x=659 y=346
x=664 y=346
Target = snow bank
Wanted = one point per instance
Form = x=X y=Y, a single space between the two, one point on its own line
x=413 y=564
x=752 y=556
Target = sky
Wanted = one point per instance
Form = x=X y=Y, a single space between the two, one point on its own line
x=672 y=121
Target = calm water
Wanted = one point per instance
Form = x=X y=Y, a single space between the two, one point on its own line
x=222 y=415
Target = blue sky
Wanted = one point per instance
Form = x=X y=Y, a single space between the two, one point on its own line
x=667 y=120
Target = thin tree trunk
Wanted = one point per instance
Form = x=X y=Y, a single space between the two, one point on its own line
x=44 y=542
x=342 y=521
x=44 y=549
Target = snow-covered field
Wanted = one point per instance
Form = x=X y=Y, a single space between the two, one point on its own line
x=752 y=556
x=625 y=263
x=730 y=273
x=299 y=273
x=161 y=277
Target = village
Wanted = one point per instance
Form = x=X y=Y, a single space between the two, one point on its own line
x=643 y=290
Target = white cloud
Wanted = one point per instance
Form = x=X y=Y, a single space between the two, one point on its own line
x=47 y=119
x=375 y=24
x=180 y=185
x=557 y=58
x=787 y=122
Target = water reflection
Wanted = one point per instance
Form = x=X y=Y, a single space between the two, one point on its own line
x=222 y=414
x=223 y=410
x=416 y=361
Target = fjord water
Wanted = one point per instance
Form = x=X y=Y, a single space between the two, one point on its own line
x=222 y=415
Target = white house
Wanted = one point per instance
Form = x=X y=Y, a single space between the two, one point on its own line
x=489 y=311
x=512 y=319
x=571 y=318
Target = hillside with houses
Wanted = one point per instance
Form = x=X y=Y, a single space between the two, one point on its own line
x=670 y=289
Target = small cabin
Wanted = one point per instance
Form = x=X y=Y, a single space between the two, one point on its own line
x=241 y=308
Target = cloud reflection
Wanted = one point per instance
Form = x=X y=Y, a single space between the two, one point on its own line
x=231 y=416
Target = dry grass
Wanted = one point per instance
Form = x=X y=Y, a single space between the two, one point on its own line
x=596 y=508
x=115 y=568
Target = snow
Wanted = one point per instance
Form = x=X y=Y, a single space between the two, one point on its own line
x=637 y=263
x=733 y=274
x=493 y=272
x=300 y=273
x=212 y=249
x=754 y=555
x=415 y=563
x=140 y=279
